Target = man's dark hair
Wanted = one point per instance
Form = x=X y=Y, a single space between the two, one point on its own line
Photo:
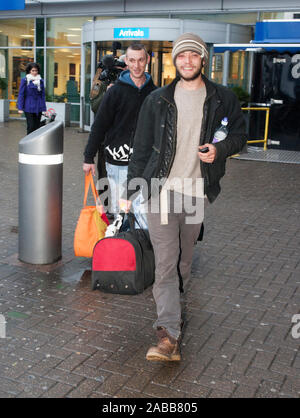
x=138 y=46
x=32 y=65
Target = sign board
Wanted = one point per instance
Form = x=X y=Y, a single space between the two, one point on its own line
x=12 y=4
x=131 y=33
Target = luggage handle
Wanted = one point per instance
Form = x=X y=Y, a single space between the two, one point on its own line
x=131 y=219
x=89 y=181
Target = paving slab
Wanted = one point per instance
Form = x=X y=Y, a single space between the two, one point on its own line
x=65 y=340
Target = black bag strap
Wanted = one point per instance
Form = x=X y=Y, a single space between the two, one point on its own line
x=132 y=219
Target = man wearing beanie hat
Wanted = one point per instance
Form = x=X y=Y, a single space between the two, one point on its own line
x=175 y=125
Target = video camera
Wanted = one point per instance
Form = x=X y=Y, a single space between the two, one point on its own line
x=111 y=68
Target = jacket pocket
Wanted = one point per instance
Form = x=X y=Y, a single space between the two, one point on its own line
x=151 y=166
x=216 y=171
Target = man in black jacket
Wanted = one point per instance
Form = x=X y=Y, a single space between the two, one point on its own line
x=115 y=123
x=176 y=124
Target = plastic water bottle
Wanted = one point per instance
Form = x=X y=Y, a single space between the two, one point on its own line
x=222 y=132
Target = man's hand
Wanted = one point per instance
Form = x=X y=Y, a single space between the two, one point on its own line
x=20 y=111
x=125 y=205
x=89 y=167
x=208 y=157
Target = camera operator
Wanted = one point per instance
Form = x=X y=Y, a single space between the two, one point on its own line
x=115 y=123
x=108 y=71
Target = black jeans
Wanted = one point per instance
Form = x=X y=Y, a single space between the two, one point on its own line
x=33 y=121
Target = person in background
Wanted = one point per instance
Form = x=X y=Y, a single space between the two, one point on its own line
x=115 y=124
x=31 y=99
x=98 y=90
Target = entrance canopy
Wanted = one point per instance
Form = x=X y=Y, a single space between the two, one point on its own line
x=146 y=29
x=271 y=35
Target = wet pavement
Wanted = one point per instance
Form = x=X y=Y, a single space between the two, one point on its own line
x=65 y=340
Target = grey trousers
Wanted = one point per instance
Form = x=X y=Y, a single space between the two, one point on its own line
x=173 y=246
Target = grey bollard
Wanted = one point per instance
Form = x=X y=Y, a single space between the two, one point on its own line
x=40 y=194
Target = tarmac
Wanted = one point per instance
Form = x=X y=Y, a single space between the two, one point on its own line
x=64 y=340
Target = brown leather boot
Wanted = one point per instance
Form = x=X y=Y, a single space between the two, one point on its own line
x=167 y=348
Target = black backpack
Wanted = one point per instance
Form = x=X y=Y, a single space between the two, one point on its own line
x=124 y=263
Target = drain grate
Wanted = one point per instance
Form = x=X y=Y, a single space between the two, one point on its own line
x=270 y=155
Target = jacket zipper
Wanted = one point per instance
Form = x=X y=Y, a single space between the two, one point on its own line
x=175 y=141
x=202 y=169
x=202 y=166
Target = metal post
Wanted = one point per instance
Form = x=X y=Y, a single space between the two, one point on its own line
x=40 y=194
x=226 y=62
x=82 y=110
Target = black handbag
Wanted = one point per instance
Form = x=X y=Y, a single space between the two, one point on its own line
x=124 y=263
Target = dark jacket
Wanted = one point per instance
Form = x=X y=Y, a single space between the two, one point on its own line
x=116 y=120
x=156 y=134
x=30 y=99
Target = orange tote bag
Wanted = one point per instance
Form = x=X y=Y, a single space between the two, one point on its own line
x=92 y=223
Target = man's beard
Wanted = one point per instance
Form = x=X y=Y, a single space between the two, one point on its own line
x=193 y=77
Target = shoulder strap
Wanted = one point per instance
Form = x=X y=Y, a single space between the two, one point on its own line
x=89 y=181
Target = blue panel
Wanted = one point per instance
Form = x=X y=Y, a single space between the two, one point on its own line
x=12 y=4
x=131 y=33
x=218 y=49
x=277 y=32
x=292 y=49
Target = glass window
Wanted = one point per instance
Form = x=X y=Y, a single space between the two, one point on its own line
x=40 y=32
x=166 y=16
x=17 y=32
x=168 y=69
x=217 y=68
x=238 y=18
x=278 y=15
x=238 y=69
x=63 y=75
x=87 y=83
x=3 y=74
x=40 y=60
x=16 y=61
x=65 y=31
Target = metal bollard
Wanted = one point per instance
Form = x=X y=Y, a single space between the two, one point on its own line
x=40 y=194
x=2 y=326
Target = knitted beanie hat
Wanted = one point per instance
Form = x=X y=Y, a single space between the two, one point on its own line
x=189 y=42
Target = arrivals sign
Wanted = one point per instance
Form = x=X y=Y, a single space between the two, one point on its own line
x=131 y=33
x=12 y=4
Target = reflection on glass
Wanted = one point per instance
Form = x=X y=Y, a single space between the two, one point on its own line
x=40 y=60
x=279 y=15
x=3 y=73
x=217 y=68
x=62 y=31
x=40 y=32
x=238 y=69
x=168 y=71
x=63 y=75
x=17 y=32
x=16 y=60
x=238 y=18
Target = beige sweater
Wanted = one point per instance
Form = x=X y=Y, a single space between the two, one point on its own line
x=186 y=164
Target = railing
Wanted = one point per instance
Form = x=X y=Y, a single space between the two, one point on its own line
x=265 y=140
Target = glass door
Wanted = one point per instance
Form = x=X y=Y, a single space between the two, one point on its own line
x=87 y=85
